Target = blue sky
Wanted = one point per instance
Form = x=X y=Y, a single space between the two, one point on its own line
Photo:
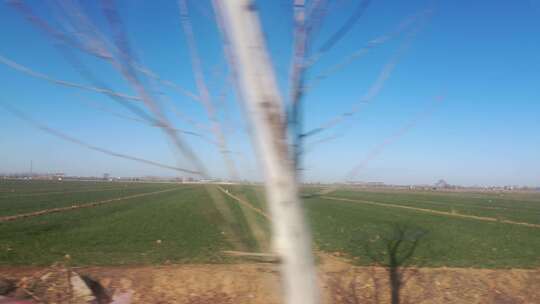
x=482 y=56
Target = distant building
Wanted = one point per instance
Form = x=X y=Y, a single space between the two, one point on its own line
x=442 y=184
x=58 y=176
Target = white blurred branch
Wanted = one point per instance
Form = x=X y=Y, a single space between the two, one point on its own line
x=259 y=91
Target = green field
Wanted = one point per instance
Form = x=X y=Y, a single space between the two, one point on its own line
x=185 y=225
x=366 y=231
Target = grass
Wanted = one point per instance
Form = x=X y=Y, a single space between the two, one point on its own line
x=367 y=233
x=522 y=207
x=22 y=201
x=127 y=232
x=192 y=229
x=364 y=232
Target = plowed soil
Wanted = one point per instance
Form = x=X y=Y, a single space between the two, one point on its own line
x=340 y=283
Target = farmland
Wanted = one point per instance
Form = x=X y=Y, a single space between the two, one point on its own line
x=173 y=223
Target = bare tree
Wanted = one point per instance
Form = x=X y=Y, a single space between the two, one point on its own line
x=277 y=128
x=264 y=107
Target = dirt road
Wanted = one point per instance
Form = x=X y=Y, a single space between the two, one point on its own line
x=341 y=282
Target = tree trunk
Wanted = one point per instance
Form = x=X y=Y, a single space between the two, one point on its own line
x=263 y=105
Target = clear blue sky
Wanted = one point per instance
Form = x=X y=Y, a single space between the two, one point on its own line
x=482 y=56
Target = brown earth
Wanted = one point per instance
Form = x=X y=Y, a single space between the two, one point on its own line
x=340 y=283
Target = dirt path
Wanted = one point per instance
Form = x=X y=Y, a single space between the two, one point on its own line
x=340 y=282
x=474 y=217
x=81 y=206
x=245 y=203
